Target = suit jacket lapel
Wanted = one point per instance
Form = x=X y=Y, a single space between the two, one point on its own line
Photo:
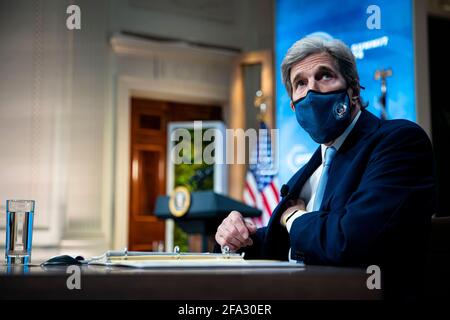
x=308 y=170
x=366 y=125
x=297 y=182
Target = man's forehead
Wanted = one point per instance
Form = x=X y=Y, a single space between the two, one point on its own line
x=313 y=62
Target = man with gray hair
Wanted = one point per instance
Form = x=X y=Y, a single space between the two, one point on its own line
x=366 y=195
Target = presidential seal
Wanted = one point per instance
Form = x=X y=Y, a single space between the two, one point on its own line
x=179 y=201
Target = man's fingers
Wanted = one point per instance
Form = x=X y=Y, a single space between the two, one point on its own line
x=222 y=242
x=231 y=234
x=234 y=232
x=232 y=242
x=239 y=224
x=226 y=238
x=229 y=225
x=235 y=215
x=250 y=226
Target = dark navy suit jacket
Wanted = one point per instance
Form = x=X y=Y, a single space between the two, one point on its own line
x=377 y=204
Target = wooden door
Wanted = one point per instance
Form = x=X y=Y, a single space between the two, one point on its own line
x=149 y=119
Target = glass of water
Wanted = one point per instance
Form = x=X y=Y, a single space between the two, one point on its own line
x=19 y=231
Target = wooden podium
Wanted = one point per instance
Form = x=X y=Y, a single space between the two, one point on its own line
x=206 y=211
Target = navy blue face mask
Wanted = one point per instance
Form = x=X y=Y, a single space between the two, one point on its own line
x=324 y=115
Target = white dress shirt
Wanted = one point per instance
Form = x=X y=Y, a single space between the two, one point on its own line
x=308 y=192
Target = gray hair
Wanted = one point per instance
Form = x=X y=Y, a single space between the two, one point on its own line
x=338 y=50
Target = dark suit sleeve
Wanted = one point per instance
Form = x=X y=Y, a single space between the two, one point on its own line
x=394 y=199
x=254 y=251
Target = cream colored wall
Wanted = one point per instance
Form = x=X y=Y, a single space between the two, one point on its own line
x=90 y=97
x=33 y=108
x=243 y=24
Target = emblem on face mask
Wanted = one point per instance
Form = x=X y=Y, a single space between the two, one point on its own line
x=324 y=115
x=340 y=110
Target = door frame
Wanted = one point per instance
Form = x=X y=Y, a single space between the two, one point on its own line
x=127 y=88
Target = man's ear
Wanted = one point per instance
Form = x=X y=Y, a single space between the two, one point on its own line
x=292 y=106
x=354 y=98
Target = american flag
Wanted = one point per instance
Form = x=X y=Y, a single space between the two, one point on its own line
x=261 y=186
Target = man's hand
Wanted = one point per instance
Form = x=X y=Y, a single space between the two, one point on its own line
x=293 y=207
x=235 y=232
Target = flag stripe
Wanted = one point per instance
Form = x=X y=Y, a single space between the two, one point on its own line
x=266 y=204
x=270 y=197
x=261 y=185
x=275 y=191
x=248 y=199
x=252 y=182
x=250 y=192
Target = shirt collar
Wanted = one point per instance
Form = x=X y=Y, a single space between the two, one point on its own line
x=340 y=140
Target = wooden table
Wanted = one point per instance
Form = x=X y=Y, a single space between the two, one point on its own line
x=99 y=282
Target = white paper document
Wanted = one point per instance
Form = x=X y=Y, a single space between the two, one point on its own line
x=199 y=263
